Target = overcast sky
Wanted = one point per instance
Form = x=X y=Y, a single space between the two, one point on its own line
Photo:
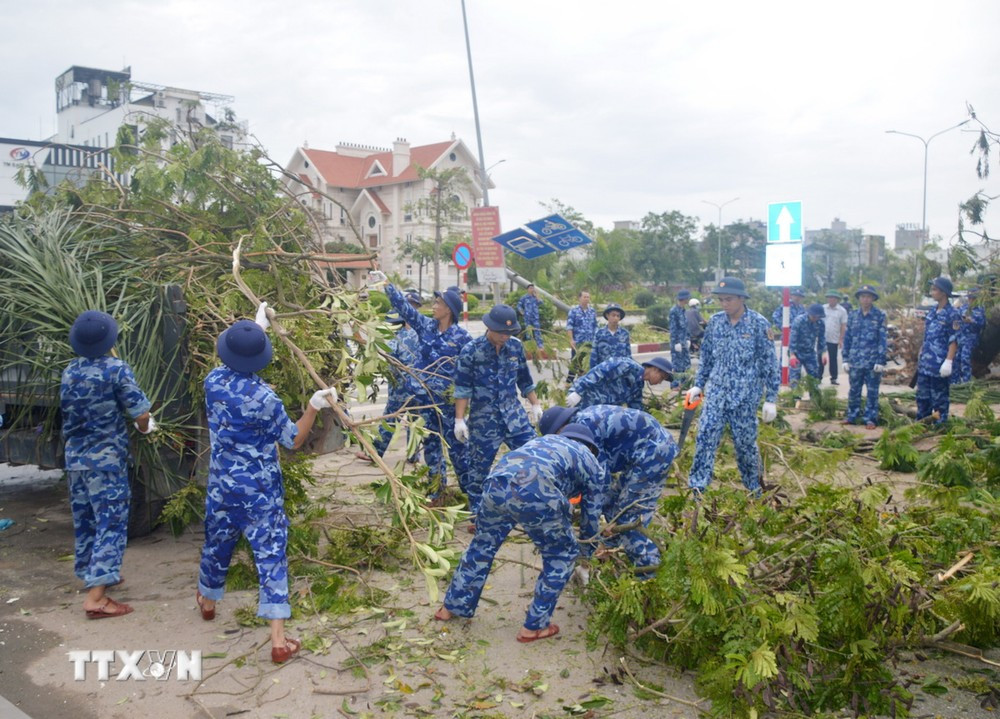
x=615 y=108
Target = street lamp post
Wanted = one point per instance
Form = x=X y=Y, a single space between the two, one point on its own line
x=923 y=218
x=718 y=266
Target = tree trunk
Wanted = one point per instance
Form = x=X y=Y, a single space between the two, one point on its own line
x=437 y=240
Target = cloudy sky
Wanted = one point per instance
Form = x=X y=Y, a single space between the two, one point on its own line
x=615 y=108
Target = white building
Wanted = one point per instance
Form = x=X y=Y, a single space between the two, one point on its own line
x=378 y=190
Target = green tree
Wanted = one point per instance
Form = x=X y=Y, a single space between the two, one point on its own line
x=443 y=205
x=667 y=250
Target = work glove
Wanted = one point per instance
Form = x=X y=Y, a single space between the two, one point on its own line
x=946 y=368
x=151 y=427
x=825 y=358
x=687 y=344
x=461 y=431
x=323 y=398
x=846 y=366
x=878 y=369
x=678 y=347
x=261 y=318
x=693 y=394
x=769 y=412
x=794 y=362
x=582 y=575
x=376 y=278
x=535 y=413
x=573 y=399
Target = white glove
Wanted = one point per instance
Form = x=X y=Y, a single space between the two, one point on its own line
x=376 y=278
x=261 y=318
x=946 y=368
x=769 y=412
x=323 y=398
x=878 y=369
x=846 y=366
x=687 y=344
x=582 y=575
x=693 y=394
x=461 y=431
x=150 y=428
x=573 y=399
x=535 y=413
x=678 y=347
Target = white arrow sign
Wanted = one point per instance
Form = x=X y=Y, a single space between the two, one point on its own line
x=785 y=222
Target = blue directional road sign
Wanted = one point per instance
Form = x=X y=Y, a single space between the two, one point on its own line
x=549 y=234
x=784 y=222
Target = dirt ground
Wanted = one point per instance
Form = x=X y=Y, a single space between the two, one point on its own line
x=416 y=666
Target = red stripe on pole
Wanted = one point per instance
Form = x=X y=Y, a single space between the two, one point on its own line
x=786 y=334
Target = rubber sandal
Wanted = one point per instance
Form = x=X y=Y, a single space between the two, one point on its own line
x=364 y=457
x=280 y=655
x=549 y=631
x=870 y=425
x=437 y=615
x=206 y=614
x=117 y=610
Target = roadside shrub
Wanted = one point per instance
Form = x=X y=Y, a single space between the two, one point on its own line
x=644 y=298
x=659 y=315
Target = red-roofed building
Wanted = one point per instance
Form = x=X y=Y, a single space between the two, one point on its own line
x=377 y=191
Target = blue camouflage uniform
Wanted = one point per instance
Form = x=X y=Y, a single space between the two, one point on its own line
x=807 y=341
x=93 y=396
x=865 y=345
x=679 y=335
x=973 y=321
x=609 y=344
x=634 y=444
x=433 y=370
x=528 y=307
x=617 y=381
x=490 y=380
x=795 y=310
x=583 y=324
x=403 y=347
x=245 y=492
x=941 y=328
x=531 y=486
x=738 y=364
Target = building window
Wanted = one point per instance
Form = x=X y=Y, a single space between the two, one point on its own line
x=453 y=157
x=371 y=222
x=227 y=141
x=409 y=270
x=408 y=217
x=373 y=241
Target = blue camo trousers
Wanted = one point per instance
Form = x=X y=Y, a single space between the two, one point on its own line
x=266 y=529
x=860 y=378
x=442 y=424
x=812 y=367
x=100 y=503
x=963 y=364
x=388 y=426
x=640 y=488
x=742 y=421
x=680 y=360
x=544 y=514
x=932 y=395
x=485 y=438
x=536 y=334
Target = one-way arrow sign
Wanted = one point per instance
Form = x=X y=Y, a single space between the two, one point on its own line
x=784 y=222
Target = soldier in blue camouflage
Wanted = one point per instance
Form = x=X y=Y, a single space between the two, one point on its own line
x=531 y=487
x=245 y=496
x=795 y=308
x=865 y=345
x=934 y=366
x=96 y=391
x=633 y=445
x=403 y=348
x=581 y=326
x=441 y=339
x=738 y=364
x=973 y=322
x=680 y=356
x=618 y=381
x=528 y=307
x=612 y=340
x=806 y=344
x=488 y=375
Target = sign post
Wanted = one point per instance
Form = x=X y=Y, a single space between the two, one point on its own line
x=462 y=257
x=783 y=264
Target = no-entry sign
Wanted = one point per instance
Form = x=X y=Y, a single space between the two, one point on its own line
x=462 y=256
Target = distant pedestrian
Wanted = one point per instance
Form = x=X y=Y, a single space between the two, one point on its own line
x=795 y=308
x=737 y=366
x=612 y=340
x=695 y=322
x=935 y=364
x=97 y=392
x=865 y=345
x=581 y=326
x=973 y=322
x=680 y=355
x=835 y=319
x=806 y=346
x=528 y=307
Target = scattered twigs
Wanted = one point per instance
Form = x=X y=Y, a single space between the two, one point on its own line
x=640 y=685
x=942 y=577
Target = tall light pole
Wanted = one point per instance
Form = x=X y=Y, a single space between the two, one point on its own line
x=718 y=266
x=923 y=218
